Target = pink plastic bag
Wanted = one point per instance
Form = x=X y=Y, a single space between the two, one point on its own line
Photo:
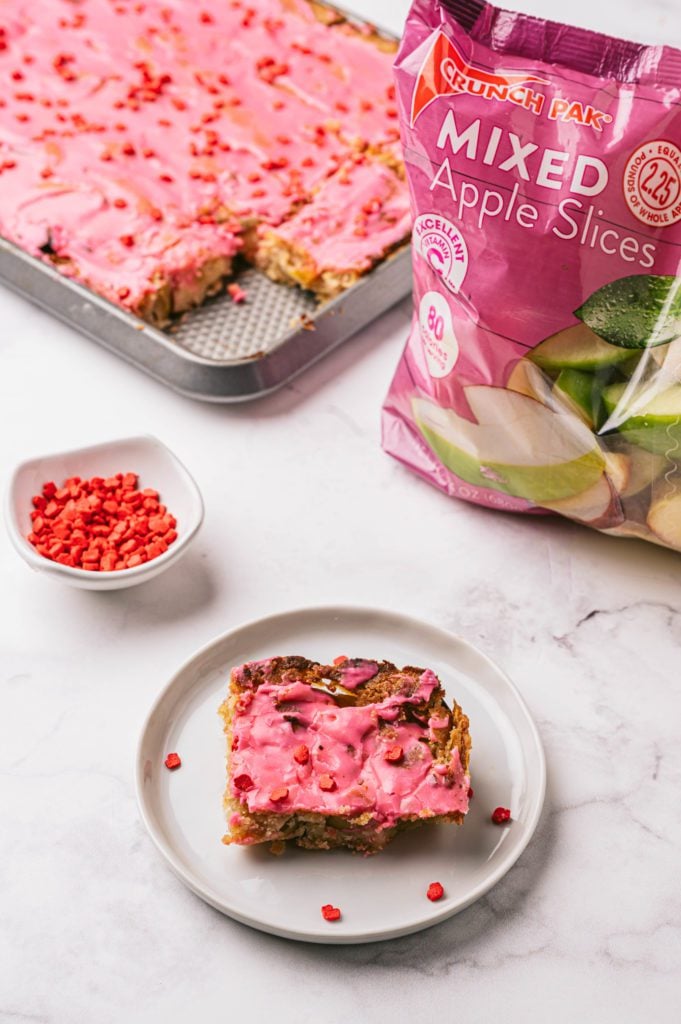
x=543 y=368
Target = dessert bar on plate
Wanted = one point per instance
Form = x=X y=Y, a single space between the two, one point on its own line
x=347 y=754
x=146 y=146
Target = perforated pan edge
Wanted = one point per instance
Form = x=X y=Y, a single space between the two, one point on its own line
x=305 y=336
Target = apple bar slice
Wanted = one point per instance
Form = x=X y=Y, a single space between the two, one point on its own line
x=357 y=216
x=163 y=270
x=339 y=755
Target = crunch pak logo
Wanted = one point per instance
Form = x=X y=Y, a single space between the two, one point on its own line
x=445 y=72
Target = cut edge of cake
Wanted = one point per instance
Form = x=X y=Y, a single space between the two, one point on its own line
x=357 y=217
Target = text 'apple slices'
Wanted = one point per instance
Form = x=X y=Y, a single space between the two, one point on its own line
x=518 y=445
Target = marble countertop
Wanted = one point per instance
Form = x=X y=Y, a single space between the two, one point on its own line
x=95 y=929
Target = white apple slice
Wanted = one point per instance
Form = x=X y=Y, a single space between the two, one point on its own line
x=595 y=504
x=518 y=446
x=527 y=379
x=644 y=468
x=618 y=469
x=664 y=519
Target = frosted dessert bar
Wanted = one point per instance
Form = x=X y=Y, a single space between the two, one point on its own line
x=145 y=145
x=339 y=755
x=356 y=217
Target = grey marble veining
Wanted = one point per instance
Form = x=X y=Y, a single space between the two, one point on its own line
x=95 y=930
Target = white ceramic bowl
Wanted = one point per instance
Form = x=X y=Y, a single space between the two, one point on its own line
x=157 y=467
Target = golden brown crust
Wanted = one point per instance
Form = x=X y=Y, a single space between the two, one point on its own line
x=289 y=264
x=156 y=306
x=390 y=154
x=326 y=13
x=370 y=34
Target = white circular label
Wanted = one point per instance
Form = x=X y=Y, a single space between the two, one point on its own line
x=652 y=183
x=437 y=334
x=442 y=246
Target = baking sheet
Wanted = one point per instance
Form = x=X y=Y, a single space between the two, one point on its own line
x=222 y=351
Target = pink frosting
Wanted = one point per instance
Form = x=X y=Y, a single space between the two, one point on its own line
x=357 y=672
x=126 y=127
x=357 y=215
x=343 y=750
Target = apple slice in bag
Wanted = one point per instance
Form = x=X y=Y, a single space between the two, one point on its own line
x=577 y=348
x=599 y=504
x=644 y=468
x=518 y=445
x=664 y=519
x=528 y=379
x=653 y=423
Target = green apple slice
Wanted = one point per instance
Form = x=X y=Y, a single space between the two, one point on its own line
x=577 y=348
x=577 y=390
x=518 y=446
x=630 y=366
x=599 y=505
x=593 y=505
x=655 y=424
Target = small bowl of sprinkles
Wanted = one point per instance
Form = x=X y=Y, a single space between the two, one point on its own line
x=104 y=517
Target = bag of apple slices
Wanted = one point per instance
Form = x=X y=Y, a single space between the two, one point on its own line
x=543 y=368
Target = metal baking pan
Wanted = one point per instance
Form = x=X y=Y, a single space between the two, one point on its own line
x=221 y=351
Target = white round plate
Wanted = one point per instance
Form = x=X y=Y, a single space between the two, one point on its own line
x=381 y=896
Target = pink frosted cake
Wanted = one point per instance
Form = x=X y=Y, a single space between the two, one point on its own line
x=356 y=217
x=144 y=145
x=340 y=755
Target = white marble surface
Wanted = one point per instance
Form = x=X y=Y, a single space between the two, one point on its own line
x=94 y=928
